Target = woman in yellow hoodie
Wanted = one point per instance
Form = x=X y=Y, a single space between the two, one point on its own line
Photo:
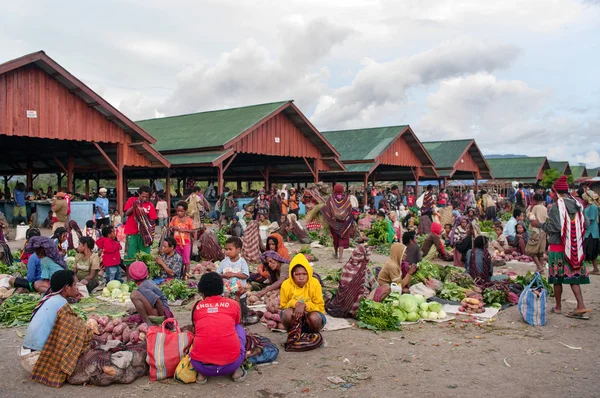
x=301 y=296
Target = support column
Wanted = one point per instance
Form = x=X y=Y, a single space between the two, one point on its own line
x=6 y=191
x=58 y=181
x=366 y=193
x=267 y=178
x=97 y=183
x=70 y=171
x=221 y=179
x=476 y=182
x=121 y=185
x=239 y=185
x=87 y=188
x=29 y=172
x=168 y=191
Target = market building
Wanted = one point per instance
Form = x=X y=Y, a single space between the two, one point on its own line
x=53 y=123
x=529 y=171
x=563 y=168
x=380 y=154
x=458 y=160
x=271 y=142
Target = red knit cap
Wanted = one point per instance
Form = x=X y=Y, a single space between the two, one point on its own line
x=561 y=185
x=338 y=189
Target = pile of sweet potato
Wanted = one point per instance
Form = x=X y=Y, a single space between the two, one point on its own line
x=117 y=329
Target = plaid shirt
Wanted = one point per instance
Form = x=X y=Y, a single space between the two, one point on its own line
x=67 y=341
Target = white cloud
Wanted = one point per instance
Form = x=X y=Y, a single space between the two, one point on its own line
x=378 y=84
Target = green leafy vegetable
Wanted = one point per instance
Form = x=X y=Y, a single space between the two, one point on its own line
x=378 y=234
x=176 y=289
x=377 y=316
x=451 y=291
x=492 y=296
x=17 y=309
x=526 y=279
x=154 y=269
x=427 y=270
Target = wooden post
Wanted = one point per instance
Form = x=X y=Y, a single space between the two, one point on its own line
x=87 y=188
x=97 y=182
x=475 y=178
x=70 y=176
x=239 y=185
x=58 y=181
x=121 y=185
x=404 y=187
x=29 y=172
x=6 y=191
x=221 y=182
x=266 y=178
x=168 y=191
x=366 y=193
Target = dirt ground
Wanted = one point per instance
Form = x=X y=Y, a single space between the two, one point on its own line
x=506 y=357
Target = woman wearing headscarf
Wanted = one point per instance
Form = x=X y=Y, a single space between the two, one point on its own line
x=296 y=231
x=337 y=211
x=463 y=246
x=251 y=243
x=396 y=270
x=457 y=235
x=278 y=269
x=261 y=205
x=433 y=246
x=275 y=243
x=426 y=212
x=274 y=206
x=356 y=282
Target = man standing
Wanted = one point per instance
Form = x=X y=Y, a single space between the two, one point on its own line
x=198 y=206
x=520 y=199
x=102 y=216
x=19 y=211
x=338 y=213
x=59 y=208
x=565 y=227
x=139 y=227
x=294 y=202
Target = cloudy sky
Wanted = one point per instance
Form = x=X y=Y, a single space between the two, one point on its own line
x=518 y=76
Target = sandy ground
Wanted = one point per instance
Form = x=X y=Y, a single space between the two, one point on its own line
x=506 y=357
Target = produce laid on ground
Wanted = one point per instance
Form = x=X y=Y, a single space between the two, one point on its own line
x=395 y=309
x=501 y=256
x=307 y=251
x=202 y=268
x=116 y=329
x=17 y=309
x=176 y=289
x=117 y=291
x=378 y=234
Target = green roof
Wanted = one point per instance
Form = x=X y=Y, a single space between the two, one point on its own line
x=559 y=166
x=593 y=172
x=194 y=158
x=516 y=168
x=446 y=153
x=362 y=144
x=205 y=129
x=359 y=167
x=577 y=171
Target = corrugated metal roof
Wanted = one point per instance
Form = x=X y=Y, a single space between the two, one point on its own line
x=359 y=167
x=446 y=153
x=559 y=166
x=516 y=168
x=205 y=129
x=181 y=159
x=577 y=171
x=362 y=144
x=593 y=172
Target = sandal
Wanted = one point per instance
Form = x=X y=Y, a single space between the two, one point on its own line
x=555 y=311
x=201 y=381
x=242 y=378
x=576 y=315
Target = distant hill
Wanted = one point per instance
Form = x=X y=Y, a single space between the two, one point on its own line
x=496 y=156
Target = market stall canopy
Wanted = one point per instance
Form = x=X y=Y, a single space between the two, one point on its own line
x=525 y=169
x=579 y=172
x=252 y=142
x=561 y=167
x=457 y=159
x=392 y=153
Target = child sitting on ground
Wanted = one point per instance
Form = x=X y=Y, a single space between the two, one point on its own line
x=234 y=271
x=148 y=299
x=413 y=251
x=445 y=236
x=110 y=253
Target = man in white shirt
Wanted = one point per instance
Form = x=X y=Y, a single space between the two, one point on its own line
x=353 y=200
x=511 y=225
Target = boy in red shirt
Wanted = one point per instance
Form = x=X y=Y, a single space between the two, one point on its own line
x=110 y=253
x=134 y=242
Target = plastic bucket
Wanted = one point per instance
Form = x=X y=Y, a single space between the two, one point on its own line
x=264 y=234
x=21 y=232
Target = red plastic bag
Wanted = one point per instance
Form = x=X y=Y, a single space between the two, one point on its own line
x=166 y=348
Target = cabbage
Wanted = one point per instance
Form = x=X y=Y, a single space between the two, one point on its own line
x=435 y=307
x=424 y=307
x=408 y=303
x=114 y=284
x=423 y=314
x=398 y=313
x=433 y=315
x=412 y=317
x=441 y=315
x=420 y=298
x=116 y=293
x=124 y=288
x=105 y=292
